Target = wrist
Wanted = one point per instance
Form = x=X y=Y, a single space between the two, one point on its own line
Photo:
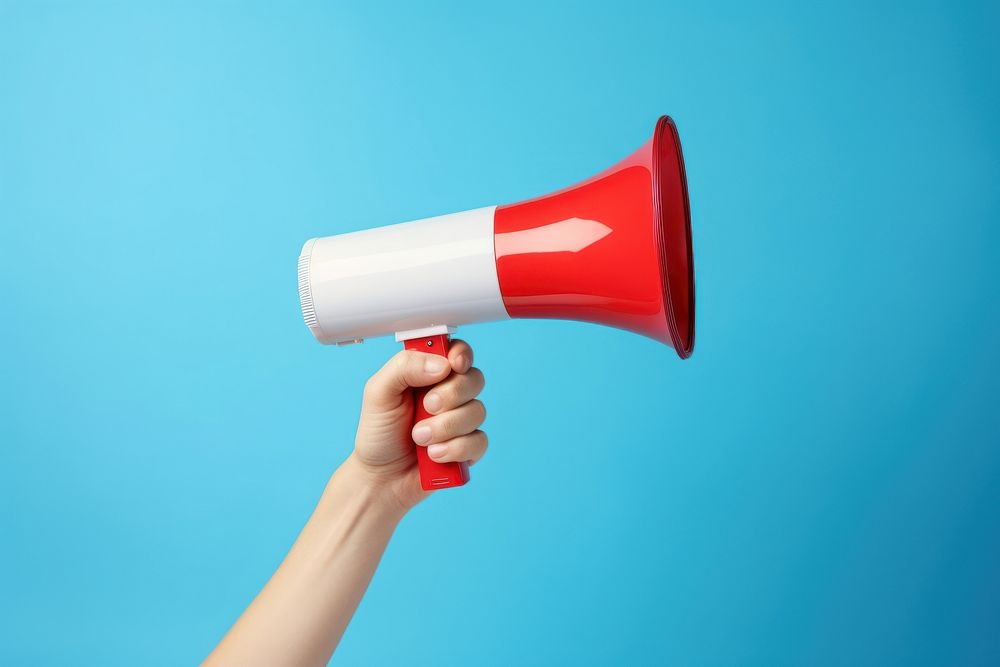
x=375 y=490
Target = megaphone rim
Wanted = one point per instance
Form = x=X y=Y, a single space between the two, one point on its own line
x=665 y=147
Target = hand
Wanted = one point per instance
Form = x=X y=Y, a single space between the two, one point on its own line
x=384 y=445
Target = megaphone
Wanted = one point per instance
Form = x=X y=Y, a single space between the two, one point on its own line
x=614 y=249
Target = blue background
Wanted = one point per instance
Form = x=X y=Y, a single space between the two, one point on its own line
x=818 y=485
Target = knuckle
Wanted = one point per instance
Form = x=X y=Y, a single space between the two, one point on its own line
x=449 y=394
x=469 y=444
x=470 y=381
x=402 y=360
x=450 y=424
x=393 y=368
x=411 y=367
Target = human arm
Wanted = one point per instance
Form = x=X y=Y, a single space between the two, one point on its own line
x=302 y=612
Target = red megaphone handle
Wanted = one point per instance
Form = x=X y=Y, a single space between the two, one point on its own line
x=433 y=475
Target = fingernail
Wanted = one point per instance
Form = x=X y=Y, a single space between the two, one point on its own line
x=463 y=364
x=421 y=434
x=432 y=402
x=434 y=364
x=437 y=451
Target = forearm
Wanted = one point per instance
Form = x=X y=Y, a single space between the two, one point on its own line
x=300 y=615
x=302 y=612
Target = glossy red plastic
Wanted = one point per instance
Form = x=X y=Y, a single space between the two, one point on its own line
x=614 y=249
x=433 y=475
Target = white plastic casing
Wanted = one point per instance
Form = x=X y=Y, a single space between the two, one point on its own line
x=404 y=279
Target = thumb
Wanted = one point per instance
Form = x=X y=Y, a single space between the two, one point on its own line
x=406 y=369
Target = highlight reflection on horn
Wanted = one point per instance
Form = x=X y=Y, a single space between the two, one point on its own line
x=572 y=235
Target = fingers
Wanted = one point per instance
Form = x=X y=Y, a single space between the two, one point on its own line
x=460 y=355
x=469 y=448
x=404 y=370
x=443 y=427
x=455 y=391
x=452 y=433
